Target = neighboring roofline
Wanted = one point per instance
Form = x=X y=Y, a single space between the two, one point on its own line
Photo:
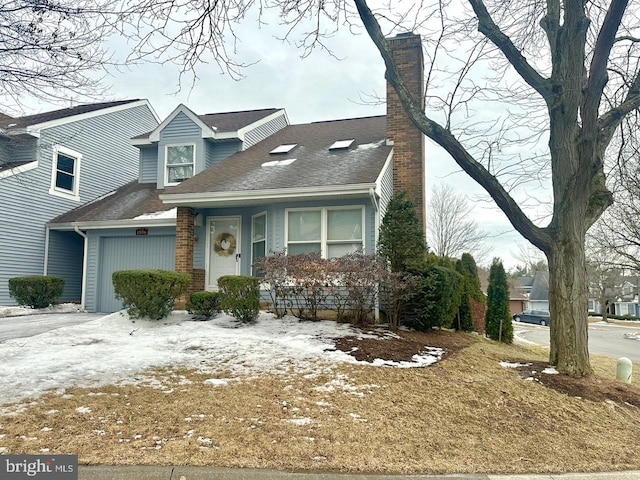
x=283 y=194
x=19 y=169
x=105 y=224
x=207 y=131
x=36 y=127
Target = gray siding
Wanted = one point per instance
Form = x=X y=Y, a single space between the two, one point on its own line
x=119 y=249
x=180 y=130
x=65 y=260
x=109 y=160
x=148 y=172
x=263 y=131
x=218 y=151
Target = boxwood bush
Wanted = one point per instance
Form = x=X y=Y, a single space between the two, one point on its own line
x=36 y=291
x=240 y=297
x=149 y=293
x=204 y=304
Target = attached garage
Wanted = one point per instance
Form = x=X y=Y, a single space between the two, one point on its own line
x=128 y=253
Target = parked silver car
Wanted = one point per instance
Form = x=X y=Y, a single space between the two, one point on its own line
x=539 y=317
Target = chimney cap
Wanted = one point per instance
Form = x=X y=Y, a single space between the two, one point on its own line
x=405 y=35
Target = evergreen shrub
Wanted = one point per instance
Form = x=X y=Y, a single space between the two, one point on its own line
x=240 y=297
x=36 y=291
x=204 y=304
x=149 y=293
x=498 y=304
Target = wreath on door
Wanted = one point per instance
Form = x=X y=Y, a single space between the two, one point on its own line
x=225 y=244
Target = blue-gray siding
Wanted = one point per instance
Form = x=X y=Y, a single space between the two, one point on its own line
x=119 y=249
x=148 y=165
x=218 y=151
x=180 y=130
x=65 y=260
x=108 y=161
x=265 y=130
x=386 y=189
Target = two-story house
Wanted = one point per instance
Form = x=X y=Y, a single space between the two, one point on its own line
x=50 y=163
x=216 y=192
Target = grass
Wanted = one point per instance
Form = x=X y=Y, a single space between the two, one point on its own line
x=464 y=414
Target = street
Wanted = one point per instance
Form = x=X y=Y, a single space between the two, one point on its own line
x=607 y=340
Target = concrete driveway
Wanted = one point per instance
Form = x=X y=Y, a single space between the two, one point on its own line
x=30 y=325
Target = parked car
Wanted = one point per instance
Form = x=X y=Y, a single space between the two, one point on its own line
x=539 y=317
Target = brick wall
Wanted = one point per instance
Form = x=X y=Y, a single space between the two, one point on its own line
x=408 y=141
x=185 y=239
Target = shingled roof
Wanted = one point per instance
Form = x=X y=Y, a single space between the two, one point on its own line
x=125 y=203
x=28 y=120
x=315 y=164
x=225 y=121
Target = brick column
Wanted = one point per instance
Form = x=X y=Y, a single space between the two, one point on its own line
x=408 y=141
x=185 y=240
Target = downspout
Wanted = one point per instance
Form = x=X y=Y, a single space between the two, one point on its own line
x=46 y=250
x=83 y=293
x=376 y=208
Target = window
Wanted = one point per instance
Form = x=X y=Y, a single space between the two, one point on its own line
x=332 y=232
x=179 y=162
x=258 y=239
x=65 y=175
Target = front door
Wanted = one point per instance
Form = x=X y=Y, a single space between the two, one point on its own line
x=223 y=249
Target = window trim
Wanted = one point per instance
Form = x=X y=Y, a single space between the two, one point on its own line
x=324 y=242
x=63 y=192
x=253 y=242
x=166 y=158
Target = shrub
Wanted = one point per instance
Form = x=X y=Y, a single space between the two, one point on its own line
x=37 y=291
x=204 y=304
x=498 y=319
x=355 y=284
x=401 y=238
x=149 y=293
x=435 y=302
x=396 y=289
x=240 y=297
x=274 y=273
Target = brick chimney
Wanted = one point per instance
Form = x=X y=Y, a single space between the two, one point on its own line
x=408 y=141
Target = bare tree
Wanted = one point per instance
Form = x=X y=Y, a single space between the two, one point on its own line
x=606 y=278
x=531 y=260
x=451 y=231
x=53 y=50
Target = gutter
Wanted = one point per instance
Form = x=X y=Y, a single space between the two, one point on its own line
x=83 y=293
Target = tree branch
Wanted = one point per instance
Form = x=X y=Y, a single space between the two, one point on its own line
x=487 y=26
x=538 y=236
x=608 y=122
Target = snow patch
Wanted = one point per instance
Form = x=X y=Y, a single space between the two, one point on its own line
x=514 y=365
x=168 y=214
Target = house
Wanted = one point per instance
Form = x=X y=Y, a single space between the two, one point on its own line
x=50 y=163
x=539 y=295
x=216 y=192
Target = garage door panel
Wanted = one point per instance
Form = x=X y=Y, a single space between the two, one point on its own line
x=130 y=253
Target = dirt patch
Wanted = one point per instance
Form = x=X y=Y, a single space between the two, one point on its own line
x=402 y=346
x=595 y=389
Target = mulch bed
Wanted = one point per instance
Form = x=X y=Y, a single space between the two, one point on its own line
x=404 y=345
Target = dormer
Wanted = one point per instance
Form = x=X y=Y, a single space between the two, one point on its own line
x=185 y=143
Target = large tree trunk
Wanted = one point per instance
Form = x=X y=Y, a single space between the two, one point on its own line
x=568 y=305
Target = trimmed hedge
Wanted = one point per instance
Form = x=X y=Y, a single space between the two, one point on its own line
x=36 y=291
x=204 y=304
x=149 y=293
x=240 y=297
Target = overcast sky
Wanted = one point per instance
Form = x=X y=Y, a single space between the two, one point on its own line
x=319 y=87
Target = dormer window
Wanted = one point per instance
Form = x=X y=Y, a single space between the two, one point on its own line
x=342 y=144
x=284 y=148
x=179 y=163
x=65 y=173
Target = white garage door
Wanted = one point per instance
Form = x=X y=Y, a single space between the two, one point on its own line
x=130 y=253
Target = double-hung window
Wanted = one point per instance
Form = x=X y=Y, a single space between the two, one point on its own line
x=258 y=239
x=179 y=162
x=65 y=174
x=332 y=232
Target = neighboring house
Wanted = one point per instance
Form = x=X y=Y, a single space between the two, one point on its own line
x=539 y=295
x=52 y=162
x=622 y=300
x=518 y=299
x=216 y=192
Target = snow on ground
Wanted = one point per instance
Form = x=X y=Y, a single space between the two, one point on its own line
x=22 y=311
x=115 y=349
